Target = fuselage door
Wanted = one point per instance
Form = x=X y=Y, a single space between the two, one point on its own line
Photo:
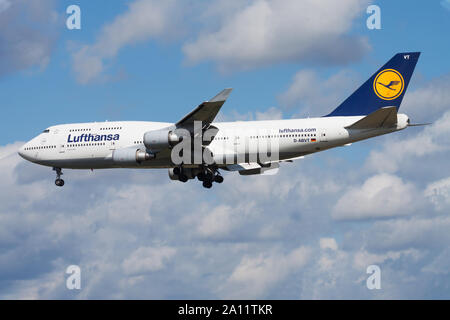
x=61 y=142
x=323 y=135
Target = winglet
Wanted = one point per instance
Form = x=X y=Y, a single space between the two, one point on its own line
x=222 y=95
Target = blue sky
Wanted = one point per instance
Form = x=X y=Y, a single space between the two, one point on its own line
x=156 y=84
x=308 y=232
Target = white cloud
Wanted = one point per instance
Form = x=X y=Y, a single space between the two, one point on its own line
x=316 y=96
x=256 y=274
x=10 y=149
x=220 y=221
x=144 y=20
x=362 y=259
x=34 y=289
x=131 y=206
x=439 y=265
x=428 y=102
x=261 y=236
x=4 y=5
x=446 y=4
x=272 y=31
x=147 y=259
x=27 y=34
x=328 y=243
x=398 y=151
x=270 y=114
x=379 y=196
x=439 y=193
x=428 y=231
x=226 y=36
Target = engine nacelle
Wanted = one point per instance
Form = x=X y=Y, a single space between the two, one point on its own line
x=189 y=173
x=158 y=140
x=131 y=156
x=173 y=175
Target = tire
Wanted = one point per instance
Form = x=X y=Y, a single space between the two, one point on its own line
x=183 y=178
x=218 y=179
x=59 y=182
x=207 y=184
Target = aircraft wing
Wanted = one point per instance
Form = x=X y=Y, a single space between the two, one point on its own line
x=205 y=112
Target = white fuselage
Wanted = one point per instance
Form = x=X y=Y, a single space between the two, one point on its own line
x=91 y=145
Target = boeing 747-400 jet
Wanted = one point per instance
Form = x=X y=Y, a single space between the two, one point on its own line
x=198 y=147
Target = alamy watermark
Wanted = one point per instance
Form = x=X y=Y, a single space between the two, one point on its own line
x=230 y=146
x=74 y=20
x=374 y=280
x=73 y=281
x=374 y=20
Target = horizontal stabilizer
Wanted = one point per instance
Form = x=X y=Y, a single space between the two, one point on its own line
x=382 y=118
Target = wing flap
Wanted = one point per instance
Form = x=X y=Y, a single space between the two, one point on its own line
x=243 y=166
x=247 y=169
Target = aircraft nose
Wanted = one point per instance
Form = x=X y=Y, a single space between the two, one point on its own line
x=21 y=152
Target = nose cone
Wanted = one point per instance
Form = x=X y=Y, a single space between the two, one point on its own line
x=21 y=152
x=24 y=153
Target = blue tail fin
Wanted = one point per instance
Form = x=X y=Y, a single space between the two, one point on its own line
x=385 y=88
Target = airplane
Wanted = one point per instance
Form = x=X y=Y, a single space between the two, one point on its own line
x=248 y=147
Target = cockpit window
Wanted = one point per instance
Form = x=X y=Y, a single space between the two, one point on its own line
x=46 y=131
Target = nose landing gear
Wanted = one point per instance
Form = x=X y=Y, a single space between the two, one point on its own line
x=59 y=182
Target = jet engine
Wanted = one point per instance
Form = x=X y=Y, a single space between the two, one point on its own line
x=183 y=174
x=131 y=156
x=158 y=140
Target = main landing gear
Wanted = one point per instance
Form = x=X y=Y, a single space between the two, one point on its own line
x=208 y=176
x=59 y=182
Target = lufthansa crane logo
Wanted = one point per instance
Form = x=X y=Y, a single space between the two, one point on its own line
x=388 y=84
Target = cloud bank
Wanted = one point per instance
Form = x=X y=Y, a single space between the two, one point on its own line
x=236 y=35
x=258 y=33
x=27 y=34
x=308 y=232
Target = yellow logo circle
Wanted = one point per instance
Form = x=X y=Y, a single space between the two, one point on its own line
x=388 y=84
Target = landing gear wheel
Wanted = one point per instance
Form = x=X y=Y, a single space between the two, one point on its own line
x=59 y=182
x=207 y=184
x=183 y=178
x=218 y=178
x=209 y=176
